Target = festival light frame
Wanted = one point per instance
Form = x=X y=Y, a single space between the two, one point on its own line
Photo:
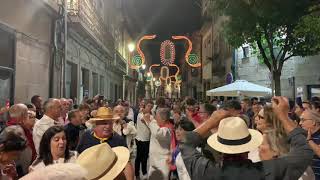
x=188 y=55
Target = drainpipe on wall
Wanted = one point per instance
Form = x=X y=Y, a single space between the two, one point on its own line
x=64 y=59
x=234 y=62
x=52 y=56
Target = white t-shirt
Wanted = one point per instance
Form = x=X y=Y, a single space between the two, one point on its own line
x=143 y=131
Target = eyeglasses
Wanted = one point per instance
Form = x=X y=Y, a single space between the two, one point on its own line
x=303 y=119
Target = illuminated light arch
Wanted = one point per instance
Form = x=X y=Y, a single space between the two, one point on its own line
x=165 y=46
x=151 y=67
x=168 y=81
x=189 y=57
x=162 y=77
x=178 y=70
x=141 y=54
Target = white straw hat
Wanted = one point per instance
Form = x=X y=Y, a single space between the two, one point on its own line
x=234 y=137
x=102 y=162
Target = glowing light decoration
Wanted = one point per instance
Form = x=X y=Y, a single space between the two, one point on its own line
x=190 y=58
x=167 y=52
x=136 y=61
x=134 y=64
x=164 y=73
x=193 y=59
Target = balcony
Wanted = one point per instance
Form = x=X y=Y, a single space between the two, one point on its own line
x=85 y=19
x=52 y=4
x=120 y=63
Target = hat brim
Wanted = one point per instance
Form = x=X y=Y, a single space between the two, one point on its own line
x=93 y=120
x=123 y=155
x=255 y=142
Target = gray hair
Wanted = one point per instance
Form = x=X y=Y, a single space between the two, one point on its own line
x=164 y=113
x=18 y=110
x=70 y=171
x=49 y=104
x=314 y=115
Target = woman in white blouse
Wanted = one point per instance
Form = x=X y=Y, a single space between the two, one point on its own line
x=53 y=149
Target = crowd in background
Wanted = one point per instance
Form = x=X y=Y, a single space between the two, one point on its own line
x=164 y=139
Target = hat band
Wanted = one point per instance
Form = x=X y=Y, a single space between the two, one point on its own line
x=105 y=116
x=108 y=169
x=234 y=142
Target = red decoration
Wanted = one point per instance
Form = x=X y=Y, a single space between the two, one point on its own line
x=167 y=58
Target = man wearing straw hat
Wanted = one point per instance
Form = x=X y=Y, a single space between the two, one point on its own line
x=235 y=140
x=102 y=132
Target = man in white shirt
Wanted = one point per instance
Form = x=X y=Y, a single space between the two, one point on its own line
x=52 y=112
x=127 y=128
x=143 y=141
x=65 y=104
x=160 y=144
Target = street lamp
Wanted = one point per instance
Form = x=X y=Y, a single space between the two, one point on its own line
x=131 y=47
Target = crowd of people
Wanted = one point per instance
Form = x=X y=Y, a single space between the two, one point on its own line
x=164 y=139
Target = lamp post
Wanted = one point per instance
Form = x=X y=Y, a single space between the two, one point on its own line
x=131 y=48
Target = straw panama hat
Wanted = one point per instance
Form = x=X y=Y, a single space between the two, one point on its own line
x=103 y=114
x=234 y=137
x=102 y=162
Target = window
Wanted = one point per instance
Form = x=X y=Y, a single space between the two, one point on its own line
x=245 y=50
x=95 y=84
x=7 y=46
x=101 y=85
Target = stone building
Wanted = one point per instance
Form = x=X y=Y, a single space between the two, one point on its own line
x=216 y=54
x=191 y=77
x=32 y=49
x=26 y=30
x=297 y=73
x=97 y=50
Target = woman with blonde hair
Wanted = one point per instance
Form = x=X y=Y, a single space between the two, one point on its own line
x=265 y=121
x=276 y=145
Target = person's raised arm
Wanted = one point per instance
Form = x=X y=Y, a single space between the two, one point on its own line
x=212 y=122
x=280 y=107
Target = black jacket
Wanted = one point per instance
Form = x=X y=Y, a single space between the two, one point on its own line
x=289 y=167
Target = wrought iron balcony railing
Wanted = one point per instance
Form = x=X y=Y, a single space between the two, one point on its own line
x=120 y=62
x=85 y=11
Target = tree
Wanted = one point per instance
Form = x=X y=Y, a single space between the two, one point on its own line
x=279 y=29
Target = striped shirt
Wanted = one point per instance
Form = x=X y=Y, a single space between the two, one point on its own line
x=316 y=160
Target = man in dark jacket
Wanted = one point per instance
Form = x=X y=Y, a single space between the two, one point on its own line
x=235 y=140
x=73 y=129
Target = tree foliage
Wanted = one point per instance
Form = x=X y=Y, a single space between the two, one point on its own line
x=278 y=29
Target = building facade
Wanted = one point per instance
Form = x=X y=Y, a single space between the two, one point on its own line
x=26 y=29
x=97 y=50
x=32 y=49
x=300 y=76
x=216 y=54
x=191 y=77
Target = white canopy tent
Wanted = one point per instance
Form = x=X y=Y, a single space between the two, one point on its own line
x=240 y=88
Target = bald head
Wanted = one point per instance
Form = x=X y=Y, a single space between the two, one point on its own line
x=18 y=111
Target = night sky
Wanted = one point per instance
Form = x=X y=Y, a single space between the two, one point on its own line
x=163 y=18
